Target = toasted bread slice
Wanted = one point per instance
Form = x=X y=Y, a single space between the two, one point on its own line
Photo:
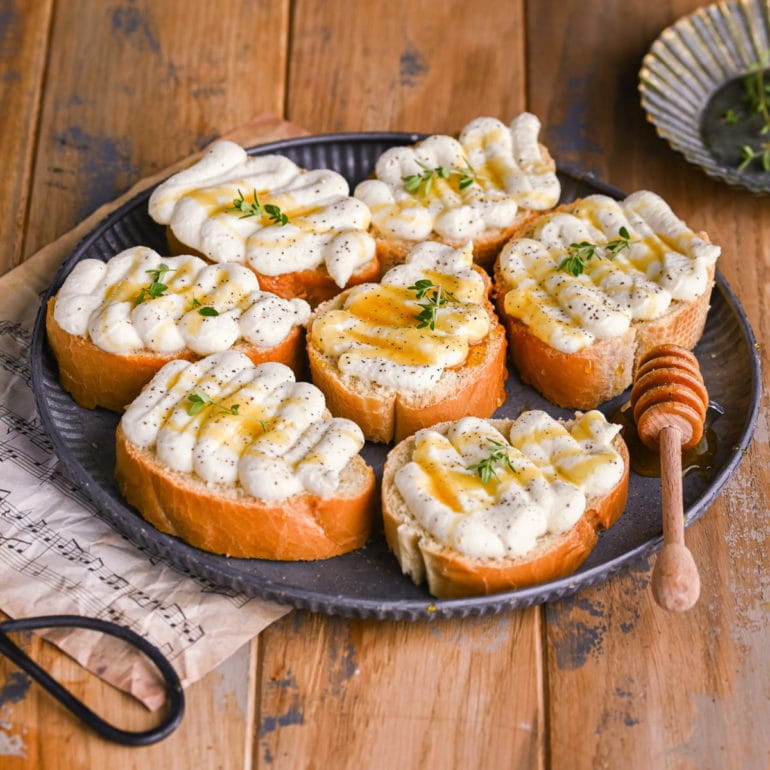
x=300 y=231
x=481 y=186
x=577 y=337
x=451 y=573
x=325 y=512
x=106 y=352
x=385 y=409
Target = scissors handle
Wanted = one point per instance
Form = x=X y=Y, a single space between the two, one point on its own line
x=105 y=729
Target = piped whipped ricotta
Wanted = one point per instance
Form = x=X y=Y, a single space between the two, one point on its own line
x=257 y=429
x=490 y=173
x=376 y=335
x=325 y=227
x=541 y=489
x=204 y=308
x=664 y=262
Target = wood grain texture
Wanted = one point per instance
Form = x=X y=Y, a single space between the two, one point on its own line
x=23 y=53
x=604 y=679
x=404 y=65
x=36 y=732
x=133 y=86
x=689 y=694
x=350 y=694
x=416 y=67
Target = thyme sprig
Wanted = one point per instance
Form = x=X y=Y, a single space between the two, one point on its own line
x=498 y=455
x=197 y=400
x=435 y=298
x=756 y=91
x=156 y=288
x=204 y=310
x=749 y=154
x=580 y=253
x=424 y=180
x=756 y=101
x=256 y=209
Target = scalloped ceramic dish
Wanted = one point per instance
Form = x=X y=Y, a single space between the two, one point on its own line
x=694 y=73
x=368 y=582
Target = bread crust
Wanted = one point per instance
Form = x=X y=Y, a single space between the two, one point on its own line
x=94 y=377
x=450 y=574
x=314 y=286
x=587 y=378
x=477 y=388
x=394 y=251
x=222 y=520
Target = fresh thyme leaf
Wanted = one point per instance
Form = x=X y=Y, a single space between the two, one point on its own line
x=195 y=303
x=580 y=253
x=276 y=215
x=424 y=180
x=156 y=288
x=256 y=209
x=572 y=264
x=247 y=209
x=436 y=297
x=747 y=155
x=208 y=311
x=498 y=455
x=198 y=400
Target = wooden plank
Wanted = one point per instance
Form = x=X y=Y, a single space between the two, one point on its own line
x=425 y=66
x=141 y=85
x=628 y=684
x=446 y=693
x=23 y=47
x=36 y=732
x=449 y=693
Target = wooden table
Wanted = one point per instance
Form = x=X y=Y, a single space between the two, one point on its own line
x=96 y=95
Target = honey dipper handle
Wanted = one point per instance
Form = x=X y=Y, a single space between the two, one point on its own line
x=675 y=578
x=670 y=439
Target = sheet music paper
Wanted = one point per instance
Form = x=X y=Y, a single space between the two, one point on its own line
x=58 y=557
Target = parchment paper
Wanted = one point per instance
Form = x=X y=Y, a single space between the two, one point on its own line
x=58 y=557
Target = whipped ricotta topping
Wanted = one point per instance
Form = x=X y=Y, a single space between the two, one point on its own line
x=257 y=429
x=325 y=228
x=491 y=172
x=375 y=334
x=541 y=489
x=665 y=261
x=204 y=308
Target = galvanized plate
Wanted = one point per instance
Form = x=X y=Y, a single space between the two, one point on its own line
x=368 y=582
x=694 y=72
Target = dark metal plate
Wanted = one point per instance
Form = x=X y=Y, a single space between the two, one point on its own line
x=368 y=582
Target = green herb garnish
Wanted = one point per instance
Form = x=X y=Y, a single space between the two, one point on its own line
x=156 y=288
x=730 y=117
x=756 y=97
x=580 y=253
x=435 y=297
x=204 y=310
x=256 y=209
x=198 y=399
x=748 y=154
x=424 y=180
x=498 y=455
x=756 y=92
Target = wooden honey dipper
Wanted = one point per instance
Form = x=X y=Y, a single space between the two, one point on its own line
x=669 y=402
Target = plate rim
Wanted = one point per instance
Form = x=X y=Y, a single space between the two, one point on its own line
x=159 y=544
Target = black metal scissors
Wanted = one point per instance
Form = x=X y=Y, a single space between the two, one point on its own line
x=173 y=686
